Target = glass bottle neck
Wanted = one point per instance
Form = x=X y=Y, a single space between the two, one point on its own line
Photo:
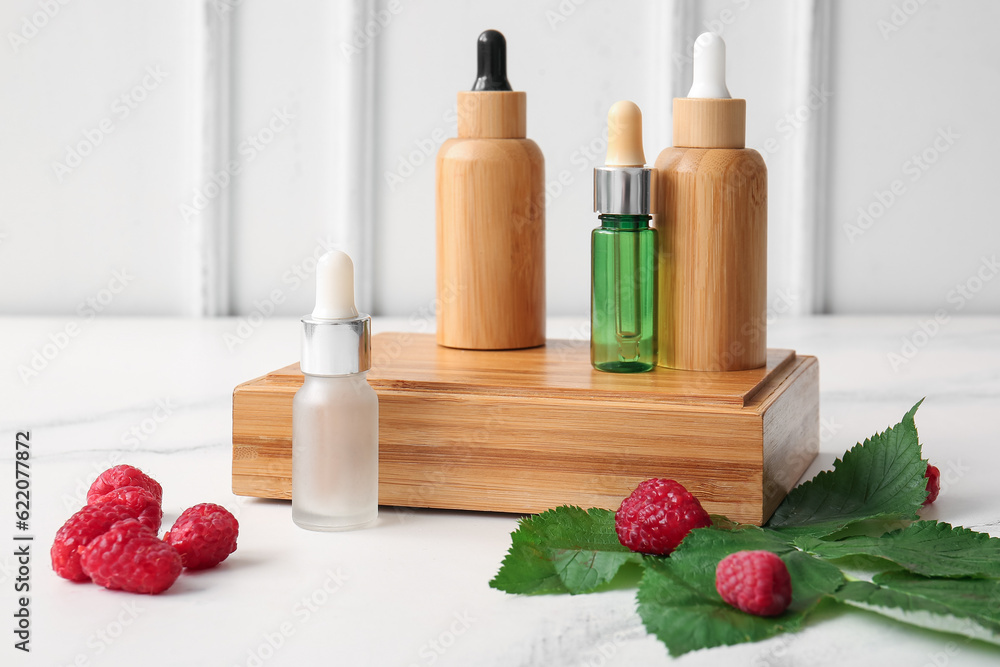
x=624 y=222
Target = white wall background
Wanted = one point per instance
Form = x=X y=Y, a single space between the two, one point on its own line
x=333 y=131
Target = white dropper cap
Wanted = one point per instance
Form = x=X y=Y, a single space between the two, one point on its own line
x=336 y=339
x=709 y=68
x=335 y=287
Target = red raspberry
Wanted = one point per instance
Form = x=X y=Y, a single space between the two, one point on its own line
x=204 y=535
x=140 y=503
x=657 y=516
x=87 y=524
x=756 y=582
x=130 y=557
x=933 y=476
x=123 y=475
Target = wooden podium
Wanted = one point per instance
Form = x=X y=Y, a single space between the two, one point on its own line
x=526 y=430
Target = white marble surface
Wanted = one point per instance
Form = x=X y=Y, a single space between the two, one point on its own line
x=413 y=590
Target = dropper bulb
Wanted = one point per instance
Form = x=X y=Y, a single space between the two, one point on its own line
x=491 y=57
x=335 y=287
x=709 y=76
x=625 y=136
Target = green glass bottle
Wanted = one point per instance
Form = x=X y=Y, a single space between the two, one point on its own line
x=623 y=252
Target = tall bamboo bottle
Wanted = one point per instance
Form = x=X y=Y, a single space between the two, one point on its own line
x=712 y=225
x=491 y=217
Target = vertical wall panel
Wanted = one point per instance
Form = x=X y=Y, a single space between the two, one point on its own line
x=802 y=266
x=112 y=91
x=301 y=140
x=914 y=148
x=213 y=220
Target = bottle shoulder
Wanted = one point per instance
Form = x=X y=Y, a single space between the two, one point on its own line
x=468 y=149
x=679 y=159
x=643 y=229
x=354 y=384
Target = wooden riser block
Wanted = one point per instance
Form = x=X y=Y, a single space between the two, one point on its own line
x=526 y=430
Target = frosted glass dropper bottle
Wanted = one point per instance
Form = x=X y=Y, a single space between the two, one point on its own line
x=335 y=412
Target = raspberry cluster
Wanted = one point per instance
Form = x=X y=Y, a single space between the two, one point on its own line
x=660 y=513
x=113 y=540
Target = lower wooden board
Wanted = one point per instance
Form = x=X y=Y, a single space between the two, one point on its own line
x=526 y=430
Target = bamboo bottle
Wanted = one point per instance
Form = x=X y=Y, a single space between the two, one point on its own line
x=712 y=224
x=491 y=217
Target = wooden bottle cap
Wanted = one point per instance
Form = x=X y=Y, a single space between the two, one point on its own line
x=492 y=114
x=709 y=123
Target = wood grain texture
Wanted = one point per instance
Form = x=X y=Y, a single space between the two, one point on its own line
x=709 y=123
x=526 y=430
x=712 y=224
x=490 y=244
x=791 y=432
x=492 y=114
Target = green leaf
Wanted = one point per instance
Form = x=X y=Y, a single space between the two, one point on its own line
x=881 y=478
x=564 y=550
x=924 y=547
x=969 y=607
x=679 y=604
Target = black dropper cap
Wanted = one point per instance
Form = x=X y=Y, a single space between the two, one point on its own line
x=491 y=51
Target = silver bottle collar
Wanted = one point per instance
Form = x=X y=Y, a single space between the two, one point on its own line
x=622 y=190
x=336 y=347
